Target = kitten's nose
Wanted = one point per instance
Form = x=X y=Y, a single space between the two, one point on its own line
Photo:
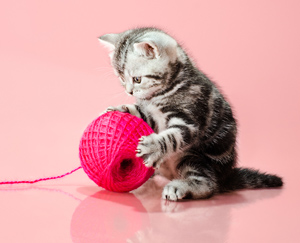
x=129 y=88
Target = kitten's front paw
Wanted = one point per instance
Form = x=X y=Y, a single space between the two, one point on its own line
x=149 y=149
x=113 y=108
x=131 y=109
x=175 y=190
x=121 y=108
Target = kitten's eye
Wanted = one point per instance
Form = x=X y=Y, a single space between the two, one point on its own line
x=137 y=79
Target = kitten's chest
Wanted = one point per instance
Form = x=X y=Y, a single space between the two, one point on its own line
x=155 y=118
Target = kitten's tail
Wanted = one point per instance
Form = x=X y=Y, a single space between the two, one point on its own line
x=245 y=178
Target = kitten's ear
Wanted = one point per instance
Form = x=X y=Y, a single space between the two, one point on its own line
x=109 y=41
x=147 y=49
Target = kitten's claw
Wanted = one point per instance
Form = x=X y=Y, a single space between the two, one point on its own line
x=149 y=149
x=124 y=107
x=175 y=190
x=130 y=108
x=110 y=108
x=121 y=108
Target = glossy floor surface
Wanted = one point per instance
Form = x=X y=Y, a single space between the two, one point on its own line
x=55 y=78
x=53 y=212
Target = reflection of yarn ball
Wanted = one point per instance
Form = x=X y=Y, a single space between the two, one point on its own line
x=108 y=217
x=107 y=151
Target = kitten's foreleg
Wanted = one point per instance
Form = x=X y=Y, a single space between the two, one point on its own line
x=193 y=184
x=189 y=188
x=156 y=147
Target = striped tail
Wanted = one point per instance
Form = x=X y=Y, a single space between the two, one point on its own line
x=245 y=178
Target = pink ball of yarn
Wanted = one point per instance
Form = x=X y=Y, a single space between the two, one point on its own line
x=107 y=151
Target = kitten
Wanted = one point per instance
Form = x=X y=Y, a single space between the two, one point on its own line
x=194 y=144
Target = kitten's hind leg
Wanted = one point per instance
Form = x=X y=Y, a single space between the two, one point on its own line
x=193 y=185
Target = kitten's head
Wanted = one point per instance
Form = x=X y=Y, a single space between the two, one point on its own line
x=141 y=58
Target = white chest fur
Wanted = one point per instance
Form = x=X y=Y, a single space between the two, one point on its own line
x=168 y=167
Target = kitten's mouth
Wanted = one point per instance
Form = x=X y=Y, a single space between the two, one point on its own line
x=137 y=94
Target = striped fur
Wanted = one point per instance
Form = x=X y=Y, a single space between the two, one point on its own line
x=194 y=143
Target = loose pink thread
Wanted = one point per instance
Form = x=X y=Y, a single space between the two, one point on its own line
x=40 y=179
x=107 y=153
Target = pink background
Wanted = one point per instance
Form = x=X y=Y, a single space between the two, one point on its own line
x=55 y=78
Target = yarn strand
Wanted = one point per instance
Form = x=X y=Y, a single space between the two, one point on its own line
x=40 y=179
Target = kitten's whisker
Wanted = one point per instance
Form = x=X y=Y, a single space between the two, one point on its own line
x=115 y=96
x=106 y=75
x=103 y=67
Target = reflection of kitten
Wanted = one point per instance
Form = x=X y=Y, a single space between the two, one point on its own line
x=194 y=143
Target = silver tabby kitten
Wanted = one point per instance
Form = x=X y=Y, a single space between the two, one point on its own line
x=194 y=144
